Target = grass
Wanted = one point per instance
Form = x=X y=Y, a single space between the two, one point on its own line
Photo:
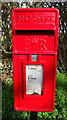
x=59 y=112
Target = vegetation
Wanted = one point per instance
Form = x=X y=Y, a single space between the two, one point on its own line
x=59 y=112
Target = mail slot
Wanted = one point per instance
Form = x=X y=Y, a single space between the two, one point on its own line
x=34 y=51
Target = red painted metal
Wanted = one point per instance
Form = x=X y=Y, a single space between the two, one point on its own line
x=34 y=31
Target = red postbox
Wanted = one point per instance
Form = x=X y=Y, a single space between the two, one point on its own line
x=35 y=44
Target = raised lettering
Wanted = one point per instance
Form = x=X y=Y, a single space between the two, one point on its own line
x=38 y=18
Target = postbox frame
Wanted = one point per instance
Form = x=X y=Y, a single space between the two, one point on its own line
x=22 y=57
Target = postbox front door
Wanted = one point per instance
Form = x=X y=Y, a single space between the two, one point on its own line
x=35 y=41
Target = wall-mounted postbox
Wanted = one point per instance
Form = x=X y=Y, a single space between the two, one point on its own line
x=35 y=43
